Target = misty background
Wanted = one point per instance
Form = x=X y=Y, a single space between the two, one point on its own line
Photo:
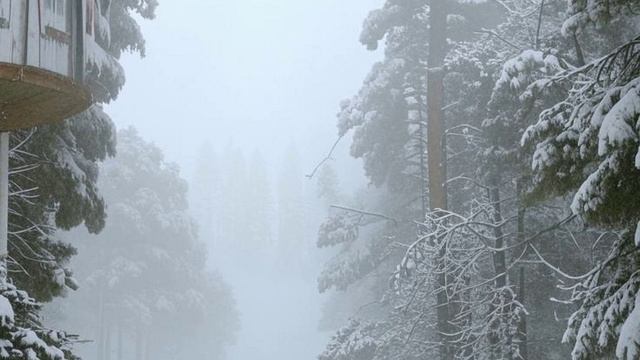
x=230 y=88
x=256 y=74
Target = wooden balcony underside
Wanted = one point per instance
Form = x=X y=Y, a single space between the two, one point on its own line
x=31 y=96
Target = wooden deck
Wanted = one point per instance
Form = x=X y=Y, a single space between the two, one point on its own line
x=30 y=96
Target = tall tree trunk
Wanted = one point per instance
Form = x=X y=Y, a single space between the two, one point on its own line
x=522 y=326
x=101 y=334
x=435 y=103
x=107 y=346
x=147 y=347
x=499 y=258
x=499 y=263
x=120 y=350
x=424 y=194
x=139 y=343
x=436 y=157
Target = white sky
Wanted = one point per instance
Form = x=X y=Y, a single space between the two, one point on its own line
x=259 y=74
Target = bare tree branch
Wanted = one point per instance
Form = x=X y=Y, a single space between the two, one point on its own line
x=327 y=158
x=493 y=33
x=364 y=212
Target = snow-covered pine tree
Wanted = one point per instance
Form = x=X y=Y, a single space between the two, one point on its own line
x=389 y=120
x=53 y=184
x=496 y=181
x=143 y=277
x=355 y=341
x=384 y=138
x=23 y=334
x=587 y=145
x=485 y=170
x=62 y=163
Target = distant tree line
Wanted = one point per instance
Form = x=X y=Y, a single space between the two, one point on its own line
x=261 y=216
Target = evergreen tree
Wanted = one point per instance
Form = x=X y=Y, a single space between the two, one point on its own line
x=261 y=207
x=328 y=187
x=144 y=276
x=586 y=145
x=291 y=211
x=53 y=174
x=206 y=195
x=487 y=241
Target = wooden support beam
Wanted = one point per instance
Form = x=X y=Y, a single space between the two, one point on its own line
x=4 y=203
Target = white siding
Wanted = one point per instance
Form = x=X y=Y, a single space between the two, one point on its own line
x=42 y=31
x=55 y=31
x=33 y=34
x=12 y=31
x=5 y=31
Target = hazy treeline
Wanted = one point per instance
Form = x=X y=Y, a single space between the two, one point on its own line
x=259 y=216
x=260 y=212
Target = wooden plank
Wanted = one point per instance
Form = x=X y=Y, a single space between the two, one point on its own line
x=4 y=197
x=55 y=49
x=33 y=32
x=5 y=30
x=30 y=96
x=5 y=14
x=76 y=60
x=19 y=31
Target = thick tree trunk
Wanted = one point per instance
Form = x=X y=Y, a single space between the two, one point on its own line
x=107 y=346
x=522 y=326
x=435 y=103
x=101 y=334
x=499 y=263
x=424 y=194
x=120 y=349
x=436 y=157
x=499 y=258
x=147 y=347
x=139 y=343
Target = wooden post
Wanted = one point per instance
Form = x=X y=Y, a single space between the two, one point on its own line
x=4 y=202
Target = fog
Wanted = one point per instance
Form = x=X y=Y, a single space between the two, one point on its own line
x=319 y=179
x=250 y=73
x=240 y=78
